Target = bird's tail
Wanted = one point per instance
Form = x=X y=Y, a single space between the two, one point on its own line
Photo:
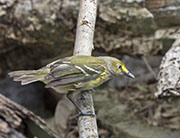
x=29 y=76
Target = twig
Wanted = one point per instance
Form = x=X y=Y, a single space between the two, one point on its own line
x=149 y=67
x=83 y=46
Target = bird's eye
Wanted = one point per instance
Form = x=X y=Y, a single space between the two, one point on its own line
x=119 y=66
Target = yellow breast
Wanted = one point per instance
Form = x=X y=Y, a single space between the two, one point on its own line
x=98 y=81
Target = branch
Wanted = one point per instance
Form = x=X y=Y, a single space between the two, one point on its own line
x=83 y=46
x=14 y=116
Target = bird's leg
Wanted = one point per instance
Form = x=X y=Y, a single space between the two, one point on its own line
x=82 y=113
x=69 y=96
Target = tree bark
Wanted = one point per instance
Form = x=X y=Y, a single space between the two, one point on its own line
x=169 y=74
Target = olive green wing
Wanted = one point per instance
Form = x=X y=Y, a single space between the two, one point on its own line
x=67 y=73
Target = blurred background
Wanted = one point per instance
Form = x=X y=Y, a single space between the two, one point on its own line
x=34 y=33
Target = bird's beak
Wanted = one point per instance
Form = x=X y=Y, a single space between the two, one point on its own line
x=129 y=74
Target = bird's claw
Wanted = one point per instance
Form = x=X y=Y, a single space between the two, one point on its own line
x=92 y=90
x=88 y=113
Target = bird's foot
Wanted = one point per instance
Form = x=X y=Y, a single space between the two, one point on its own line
x=92 y=90
x=88 y=113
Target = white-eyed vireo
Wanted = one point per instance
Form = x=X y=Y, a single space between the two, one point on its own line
x=75 y=73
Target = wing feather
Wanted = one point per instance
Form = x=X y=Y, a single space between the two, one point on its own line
x=65 y=73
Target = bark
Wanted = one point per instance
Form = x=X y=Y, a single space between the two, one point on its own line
x=14 y=119
x=169 y=74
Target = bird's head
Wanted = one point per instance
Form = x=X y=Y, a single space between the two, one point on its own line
x=117 y=67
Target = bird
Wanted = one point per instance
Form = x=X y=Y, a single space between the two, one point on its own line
x=74 y=74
